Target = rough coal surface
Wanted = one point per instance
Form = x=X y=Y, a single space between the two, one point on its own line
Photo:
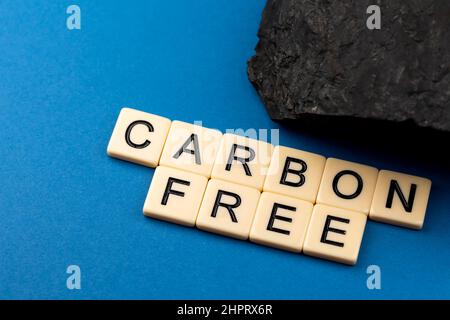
x=317 y=57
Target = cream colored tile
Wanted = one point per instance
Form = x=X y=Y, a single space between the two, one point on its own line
x=242 y=160
x=138 y=137
x=175 y=196
x=228 y=209
x=400 y=199
x=335 y=234
x=281 y=222
x=191 y=147
x=294 y=173
x=347 y=185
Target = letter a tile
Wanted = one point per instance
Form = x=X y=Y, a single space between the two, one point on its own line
x=191 y=148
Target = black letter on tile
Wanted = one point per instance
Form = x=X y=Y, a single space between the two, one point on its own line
x=229 y=207
x=358 y=188
x=146 y=143
x=327 y=229
x=274 y=216
x=242 y=160
x=196 y=151
x=168 y=191
x=395 y=188
x=299 y=173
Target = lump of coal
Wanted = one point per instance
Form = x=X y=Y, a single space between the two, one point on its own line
x=320 y=58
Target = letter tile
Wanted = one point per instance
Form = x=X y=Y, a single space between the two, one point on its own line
x=228 y=209
x=347 y=185
x=335 y=234
x=281 y=222
x=175 y=195
x=400 y=199
x=242 y=160
x=294 y=173
x=191 y=147
x=138 y=137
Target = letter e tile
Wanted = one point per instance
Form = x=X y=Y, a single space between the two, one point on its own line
x=281 y=222
x=335 y=234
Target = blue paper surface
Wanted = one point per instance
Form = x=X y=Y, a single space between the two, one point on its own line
x=64 y=202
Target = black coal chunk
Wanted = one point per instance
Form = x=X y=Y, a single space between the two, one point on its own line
x=319 y=58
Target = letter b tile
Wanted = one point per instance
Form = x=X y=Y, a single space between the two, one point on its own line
x=400 y=199
x=295 y=173
x=228 y=209
x=175 y=196
x=138 y=137
x=335 y=234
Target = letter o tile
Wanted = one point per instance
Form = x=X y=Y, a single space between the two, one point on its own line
x=347 y=185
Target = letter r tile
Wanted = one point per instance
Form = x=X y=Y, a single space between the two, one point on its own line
x=242 y=160
x=228 y=209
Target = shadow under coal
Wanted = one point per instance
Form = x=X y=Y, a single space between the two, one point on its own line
x=403 y=141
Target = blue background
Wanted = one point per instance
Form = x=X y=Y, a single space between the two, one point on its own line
x=63 y=201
